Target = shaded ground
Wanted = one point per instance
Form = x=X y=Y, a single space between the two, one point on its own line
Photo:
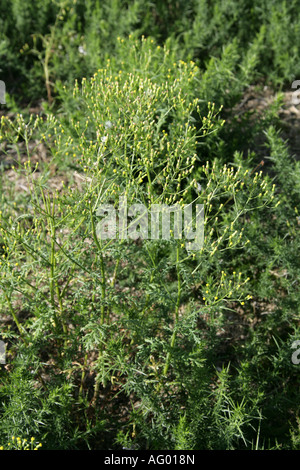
x=257 y=101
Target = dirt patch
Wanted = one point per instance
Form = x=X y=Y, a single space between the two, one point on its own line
x=290 y=115
x=256 y=101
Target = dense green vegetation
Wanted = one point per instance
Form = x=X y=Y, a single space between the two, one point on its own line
x=141 y=343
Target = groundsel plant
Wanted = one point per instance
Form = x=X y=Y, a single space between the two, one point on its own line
x=17 y=443
x=131 y=304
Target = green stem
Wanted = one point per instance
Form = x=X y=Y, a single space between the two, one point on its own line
x=61 y=311
x=83 y=374
x=113 y=281
x=52 y=262
x=102 y=268
x=103 y=292
x=173 y=337
x=54 y=287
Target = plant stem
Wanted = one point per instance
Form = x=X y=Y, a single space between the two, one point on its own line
x=102 y=268
x=103 y=293
x=83 y=374
x=173 y=337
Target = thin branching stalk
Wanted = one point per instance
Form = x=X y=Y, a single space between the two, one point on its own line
x=102 y=268
x=103 y=292
x=173 y=337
